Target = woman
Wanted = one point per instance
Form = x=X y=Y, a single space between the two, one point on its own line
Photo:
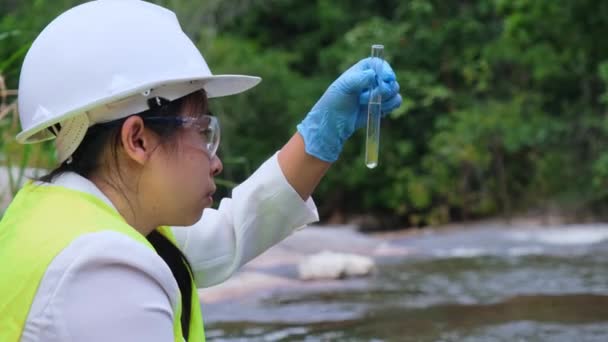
x=112 y=244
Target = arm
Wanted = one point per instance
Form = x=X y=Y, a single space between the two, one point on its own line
x=333 y=119
x=263 y=210
x=275 y=200
x=302 y=171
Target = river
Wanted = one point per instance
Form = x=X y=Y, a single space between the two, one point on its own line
x=488 y=282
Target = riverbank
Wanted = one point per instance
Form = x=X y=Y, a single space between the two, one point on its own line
x=277 y=267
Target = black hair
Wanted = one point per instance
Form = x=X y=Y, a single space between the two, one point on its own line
x=88 y=158
x=182 y=272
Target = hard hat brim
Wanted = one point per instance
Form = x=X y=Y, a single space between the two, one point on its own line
x=225 y=85
x=214 y=86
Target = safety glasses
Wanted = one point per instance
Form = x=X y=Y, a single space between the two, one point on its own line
x=207 y=126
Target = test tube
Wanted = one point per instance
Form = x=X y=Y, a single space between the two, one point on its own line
x=374 y=108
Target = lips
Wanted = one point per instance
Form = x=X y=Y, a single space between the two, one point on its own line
x=212 y=192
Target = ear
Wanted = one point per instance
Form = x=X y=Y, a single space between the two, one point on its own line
x=137 y=142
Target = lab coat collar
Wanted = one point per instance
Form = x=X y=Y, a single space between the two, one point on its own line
x=74 y=181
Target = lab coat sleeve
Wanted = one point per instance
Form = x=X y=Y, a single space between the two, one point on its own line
x=263 y=210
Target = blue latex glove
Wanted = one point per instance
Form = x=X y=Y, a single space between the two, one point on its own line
x=343 y=108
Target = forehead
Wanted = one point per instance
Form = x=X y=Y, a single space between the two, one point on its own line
x=195 y=105
x=201 y=121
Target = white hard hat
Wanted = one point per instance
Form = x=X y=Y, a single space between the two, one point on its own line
x=101 y=61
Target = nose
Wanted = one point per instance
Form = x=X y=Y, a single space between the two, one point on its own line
x=216 y=166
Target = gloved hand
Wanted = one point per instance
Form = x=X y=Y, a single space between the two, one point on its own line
x=343 y=108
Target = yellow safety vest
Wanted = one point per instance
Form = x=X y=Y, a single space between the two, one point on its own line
x=39 y=223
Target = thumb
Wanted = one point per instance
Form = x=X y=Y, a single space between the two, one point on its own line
x=355 y=81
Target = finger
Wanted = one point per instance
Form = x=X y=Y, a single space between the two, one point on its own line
x=357 y=81
x=391 y=104
x=395 y=86
x=387 y=74
x=386 y=90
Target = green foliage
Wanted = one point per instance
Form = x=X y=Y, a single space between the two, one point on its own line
x=504 y=100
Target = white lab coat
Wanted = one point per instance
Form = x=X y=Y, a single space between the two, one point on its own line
x=107 y=287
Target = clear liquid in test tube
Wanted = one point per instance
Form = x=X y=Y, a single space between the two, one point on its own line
x=374 y=108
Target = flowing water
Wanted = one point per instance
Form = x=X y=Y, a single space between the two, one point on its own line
x=481 y=284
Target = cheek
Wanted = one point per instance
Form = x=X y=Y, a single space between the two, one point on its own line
x=192 y=162
x=197 y=165
x=195 y=184
x=193 y=172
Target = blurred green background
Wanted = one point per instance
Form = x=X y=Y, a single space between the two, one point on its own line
x=504 y=100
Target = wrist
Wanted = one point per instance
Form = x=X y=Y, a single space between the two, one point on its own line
x=302 y=170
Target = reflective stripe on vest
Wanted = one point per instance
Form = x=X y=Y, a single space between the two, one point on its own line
x=36 y=227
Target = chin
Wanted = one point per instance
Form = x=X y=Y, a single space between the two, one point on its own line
x=207 y=202
x=195 y=218
x=189 y=220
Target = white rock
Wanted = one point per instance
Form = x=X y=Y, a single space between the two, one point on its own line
x=331 y=265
